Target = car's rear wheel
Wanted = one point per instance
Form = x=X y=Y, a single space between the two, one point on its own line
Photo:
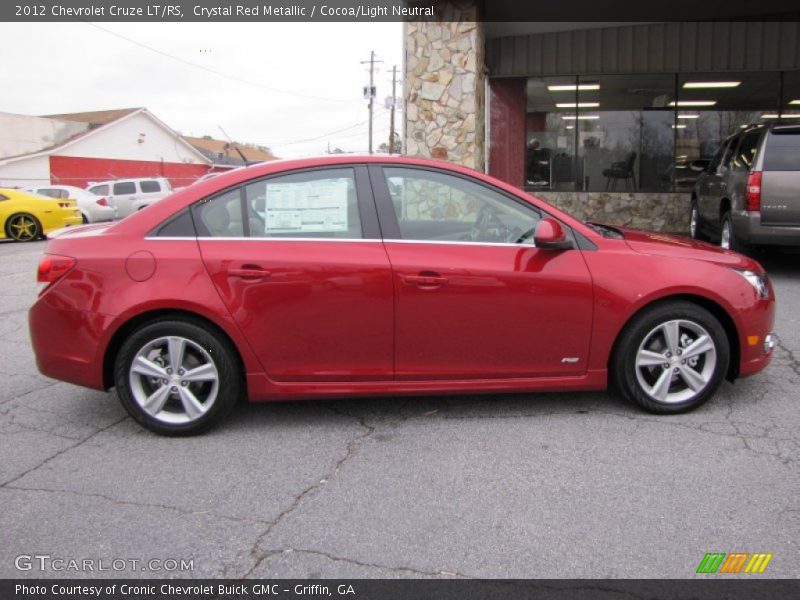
x=671 y=358
x=23 y=227
x=727 y=236
x=176 y=377
x=694 y=222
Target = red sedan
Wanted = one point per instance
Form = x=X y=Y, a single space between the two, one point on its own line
x=365 y=276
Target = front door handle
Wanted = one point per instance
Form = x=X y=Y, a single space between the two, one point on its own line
x=425 y=280
x=249 y=272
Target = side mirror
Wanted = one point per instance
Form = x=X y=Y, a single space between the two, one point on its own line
x=550 y=235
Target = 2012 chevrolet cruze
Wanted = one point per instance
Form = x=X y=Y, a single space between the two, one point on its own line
x=365 y=276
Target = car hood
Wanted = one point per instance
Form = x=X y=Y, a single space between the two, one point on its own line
x=676 y=246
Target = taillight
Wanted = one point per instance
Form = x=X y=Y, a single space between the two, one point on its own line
x=53 y=267
x=752 y=191
x=102 y=202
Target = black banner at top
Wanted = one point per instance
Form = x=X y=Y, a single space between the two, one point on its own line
x=612 y=11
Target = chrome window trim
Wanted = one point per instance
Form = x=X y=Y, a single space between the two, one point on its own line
x=258 y=239
x=296 y=239
x=460 y=243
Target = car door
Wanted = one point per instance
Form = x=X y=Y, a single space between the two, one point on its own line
x=474 y=299
x=299 y=263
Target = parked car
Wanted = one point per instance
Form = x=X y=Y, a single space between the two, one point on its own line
x=26 y=217
x=131 y=195
x=93 y=208
x=750 y=193
x=362 y=276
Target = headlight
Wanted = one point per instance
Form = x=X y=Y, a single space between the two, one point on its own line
x=757 y=280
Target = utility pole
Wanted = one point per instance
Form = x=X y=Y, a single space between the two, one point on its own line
x=370 y=91
x=391 y=115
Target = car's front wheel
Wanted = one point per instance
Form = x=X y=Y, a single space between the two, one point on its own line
x=671 y=358
x=176 y=377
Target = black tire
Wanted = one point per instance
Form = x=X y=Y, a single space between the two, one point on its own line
x=643 y=329
x=696 y=223
x=12 y=227
x=84 y=218
x=203 y=342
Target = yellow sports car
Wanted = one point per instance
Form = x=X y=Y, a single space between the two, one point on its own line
x=25 y=217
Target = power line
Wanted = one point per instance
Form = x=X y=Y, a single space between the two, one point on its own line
x=324 y=135
x=219 y=73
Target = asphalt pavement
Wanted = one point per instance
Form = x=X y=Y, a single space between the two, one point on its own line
x=513 y=486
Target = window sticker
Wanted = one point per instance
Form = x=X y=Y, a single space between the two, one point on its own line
x=307 y=207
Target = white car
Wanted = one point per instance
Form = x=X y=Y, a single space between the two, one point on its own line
x=92 y=208
x=130 y=195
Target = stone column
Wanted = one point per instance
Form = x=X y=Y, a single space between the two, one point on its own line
x=444 y=86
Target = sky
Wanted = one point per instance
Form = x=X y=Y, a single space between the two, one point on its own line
x=273 y=84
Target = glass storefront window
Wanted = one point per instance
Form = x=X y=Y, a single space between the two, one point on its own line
x=790 y=100
x=712 y=106
x=625 y=132
x=549 y=136
x=643 y=132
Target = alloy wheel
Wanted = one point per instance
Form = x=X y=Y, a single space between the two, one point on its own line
x=23 y=228
x=675 y=362
x=174 y=380
x=693 y=222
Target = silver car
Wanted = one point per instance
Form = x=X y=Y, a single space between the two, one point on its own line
x=750 y=193
x=93 y=208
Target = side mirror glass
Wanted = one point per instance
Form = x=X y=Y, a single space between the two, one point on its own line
x=550 y=235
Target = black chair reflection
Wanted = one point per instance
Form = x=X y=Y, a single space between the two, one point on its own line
x=621 y=170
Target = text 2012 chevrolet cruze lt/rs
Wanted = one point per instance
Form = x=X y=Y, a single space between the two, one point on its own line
x=365 y=276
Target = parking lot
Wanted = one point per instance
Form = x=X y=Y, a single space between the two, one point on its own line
x=512 y=486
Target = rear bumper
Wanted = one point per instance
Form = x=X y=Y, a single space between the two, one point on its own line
x=66 y=342
x=748 y=228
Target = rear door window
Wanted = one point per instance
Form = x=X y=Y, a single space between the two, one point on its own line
x=125 y=187
x=782 y=151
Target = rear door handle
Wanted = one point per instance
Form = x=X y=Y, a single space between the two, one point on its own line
x=425 y=280
x=249 y=273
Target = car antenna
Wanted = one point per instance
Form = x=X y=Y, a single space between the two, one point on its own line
x=235 y=147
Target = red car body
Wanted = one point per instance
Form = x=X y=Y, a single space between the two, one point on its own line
x=335 y=318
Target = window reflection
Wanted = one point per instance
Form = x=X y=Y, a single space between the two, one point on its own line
x=643 y=132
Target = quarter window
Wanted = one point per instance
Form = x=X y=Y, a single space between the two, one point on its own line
x=433 y=206
x=99 y=190
x=316 y=204
x=220 y=216
x=745 y=156
x=149 y=186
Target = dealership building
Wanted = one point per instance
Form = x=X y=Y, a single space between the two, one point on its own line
x=609 y=121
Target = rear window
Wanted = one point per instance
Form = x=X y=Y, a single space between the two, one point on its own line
x=149 y=186
x=126 y=187
x=49 y=192
x=783 y=150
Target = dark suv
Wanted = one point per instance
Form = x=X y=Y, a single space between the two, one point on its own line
x=750 y=192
